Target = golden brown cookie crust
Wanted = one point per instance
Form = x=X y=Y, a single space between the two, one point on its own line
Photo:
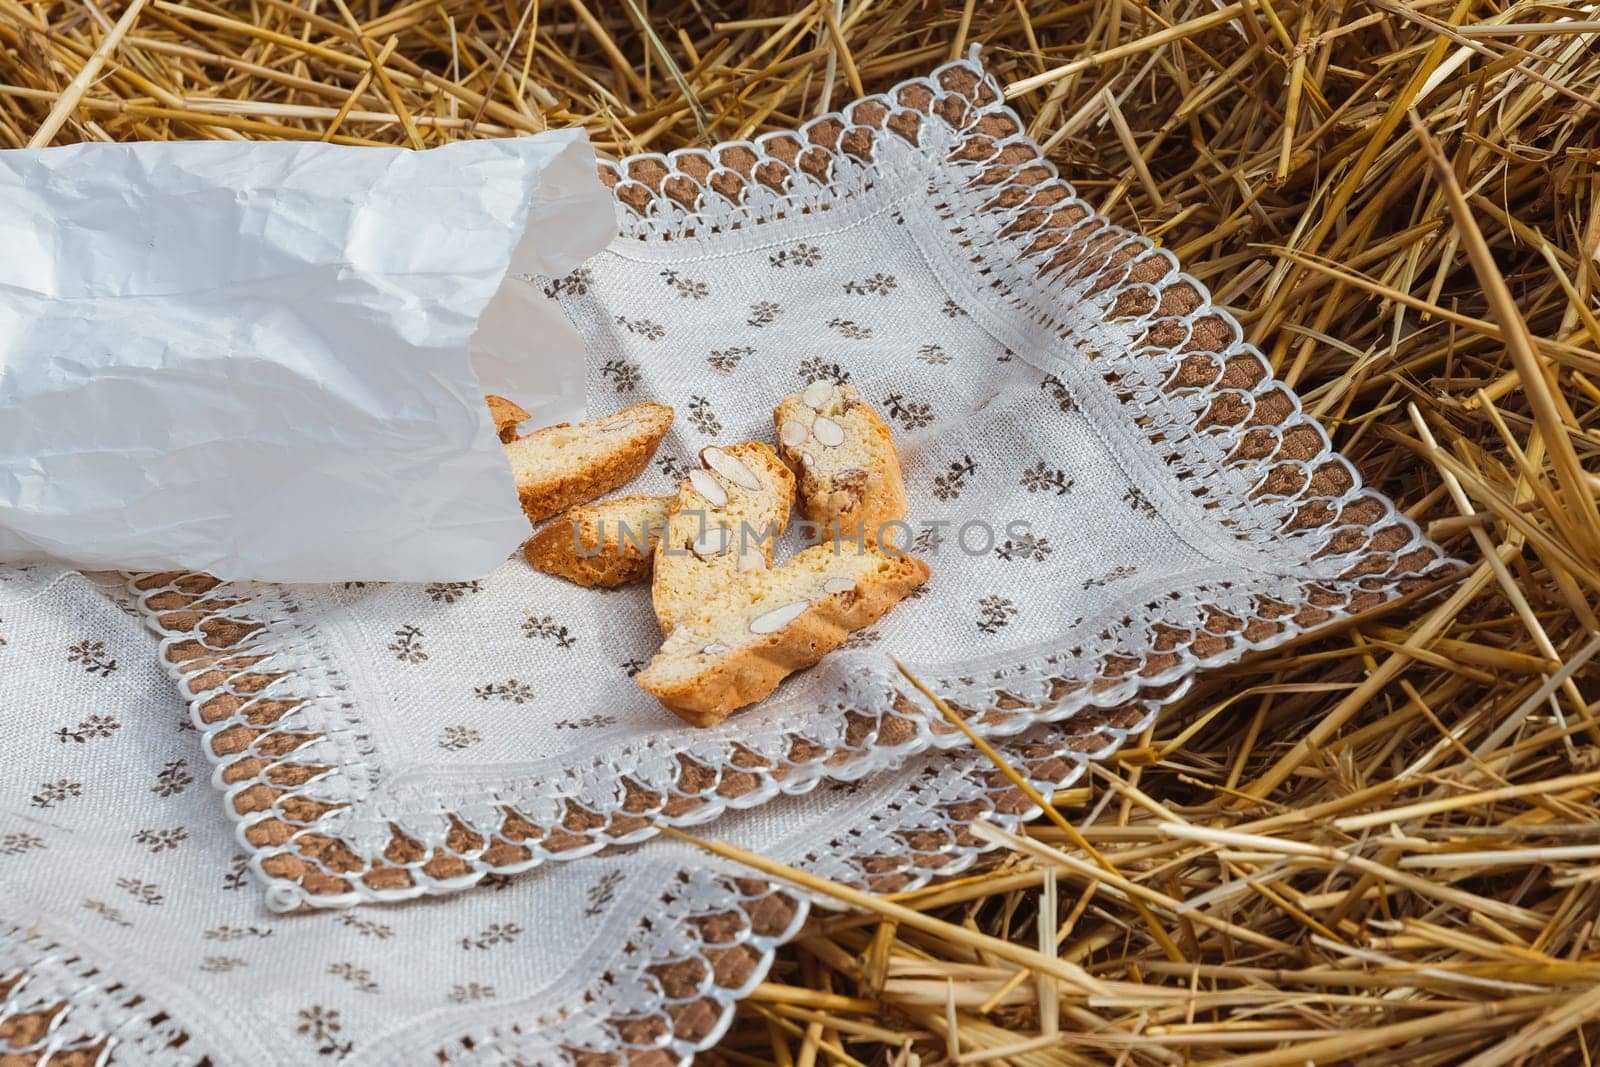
x=609 y=543
x=559 y=466
x=507 y=416
x=705 y=693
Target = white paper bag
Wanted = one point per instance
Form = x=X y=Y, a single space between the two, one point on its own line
x=253 y=359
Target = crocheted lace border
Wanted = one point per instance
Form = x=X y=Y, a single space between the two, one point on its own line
x=669 y=991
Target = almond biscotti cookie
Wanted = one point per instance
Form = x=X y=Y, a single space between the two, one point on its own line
x=845 y=455
x=736 y=647
x=724 y=522
x=567 y=464
x=609 y=543
x=507 y=416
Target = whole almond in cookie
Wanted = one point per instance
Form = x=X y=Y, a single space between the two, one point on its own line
x=730 y=467
x=846 y=459
x=709 y=488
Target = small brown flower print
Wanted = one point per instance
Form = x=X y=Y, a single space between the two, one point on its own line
x=318 y=1022
x=495 y=882
x=622 y=374
x=861 y=639
x=948 y=485
x=15 y=844
x=928 y=539
x=492 y=935
x=817 y=369
x=674 y=467
x=725 y=360
x=450 y=592
x=764 y=313
x=106 y=912
x=851 y=329
x=367 y=927
x=238 y=875
x=633 y=667
x=144 y=892
x=912 y=414
x=953 y=310
x=650 y=331
x=705 y=420
x=1005 y=356
x=92 y=654
x=602 y=893
x=933 y=355
x=546 y=628
x=575 y=284
x=1042 y=478
x=686 y=287
x=1026 y=547
x=173 y=779
x=458 y=738
x=321 y=1025
x=879 y=284
x=52 y=793
x=995 y=613
x=1058 y=390
x=801 y=255
x=359 y=977
x=221 y=964
x=2 y=637
x=1115 y=574
x=90 y=728
x=510 y=690
x=1139 y=502
x=407 y=645
x=226 y=933
x=162 y=840
x=472 y=991
x=586 y=722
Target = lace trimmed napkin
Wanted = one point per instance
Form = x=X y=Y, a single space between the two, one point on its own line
x=1110 y=487
x=130 y=927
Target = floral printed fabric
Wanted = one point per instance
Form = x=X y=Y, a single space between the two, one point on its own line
x=1110 y=488
x=130 y=920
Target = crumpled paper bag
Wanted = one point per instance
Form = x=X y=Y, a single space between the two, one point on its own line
x=268 y=360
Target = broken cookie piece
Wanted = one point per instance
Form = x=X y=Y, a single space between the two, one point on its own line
x=844 y=454
x=735 y=648
x=507 y=416
x=609 y=543
x=566 y=464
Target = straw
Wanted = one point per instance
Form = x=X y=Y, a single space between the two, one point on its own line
x=1375 y=845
